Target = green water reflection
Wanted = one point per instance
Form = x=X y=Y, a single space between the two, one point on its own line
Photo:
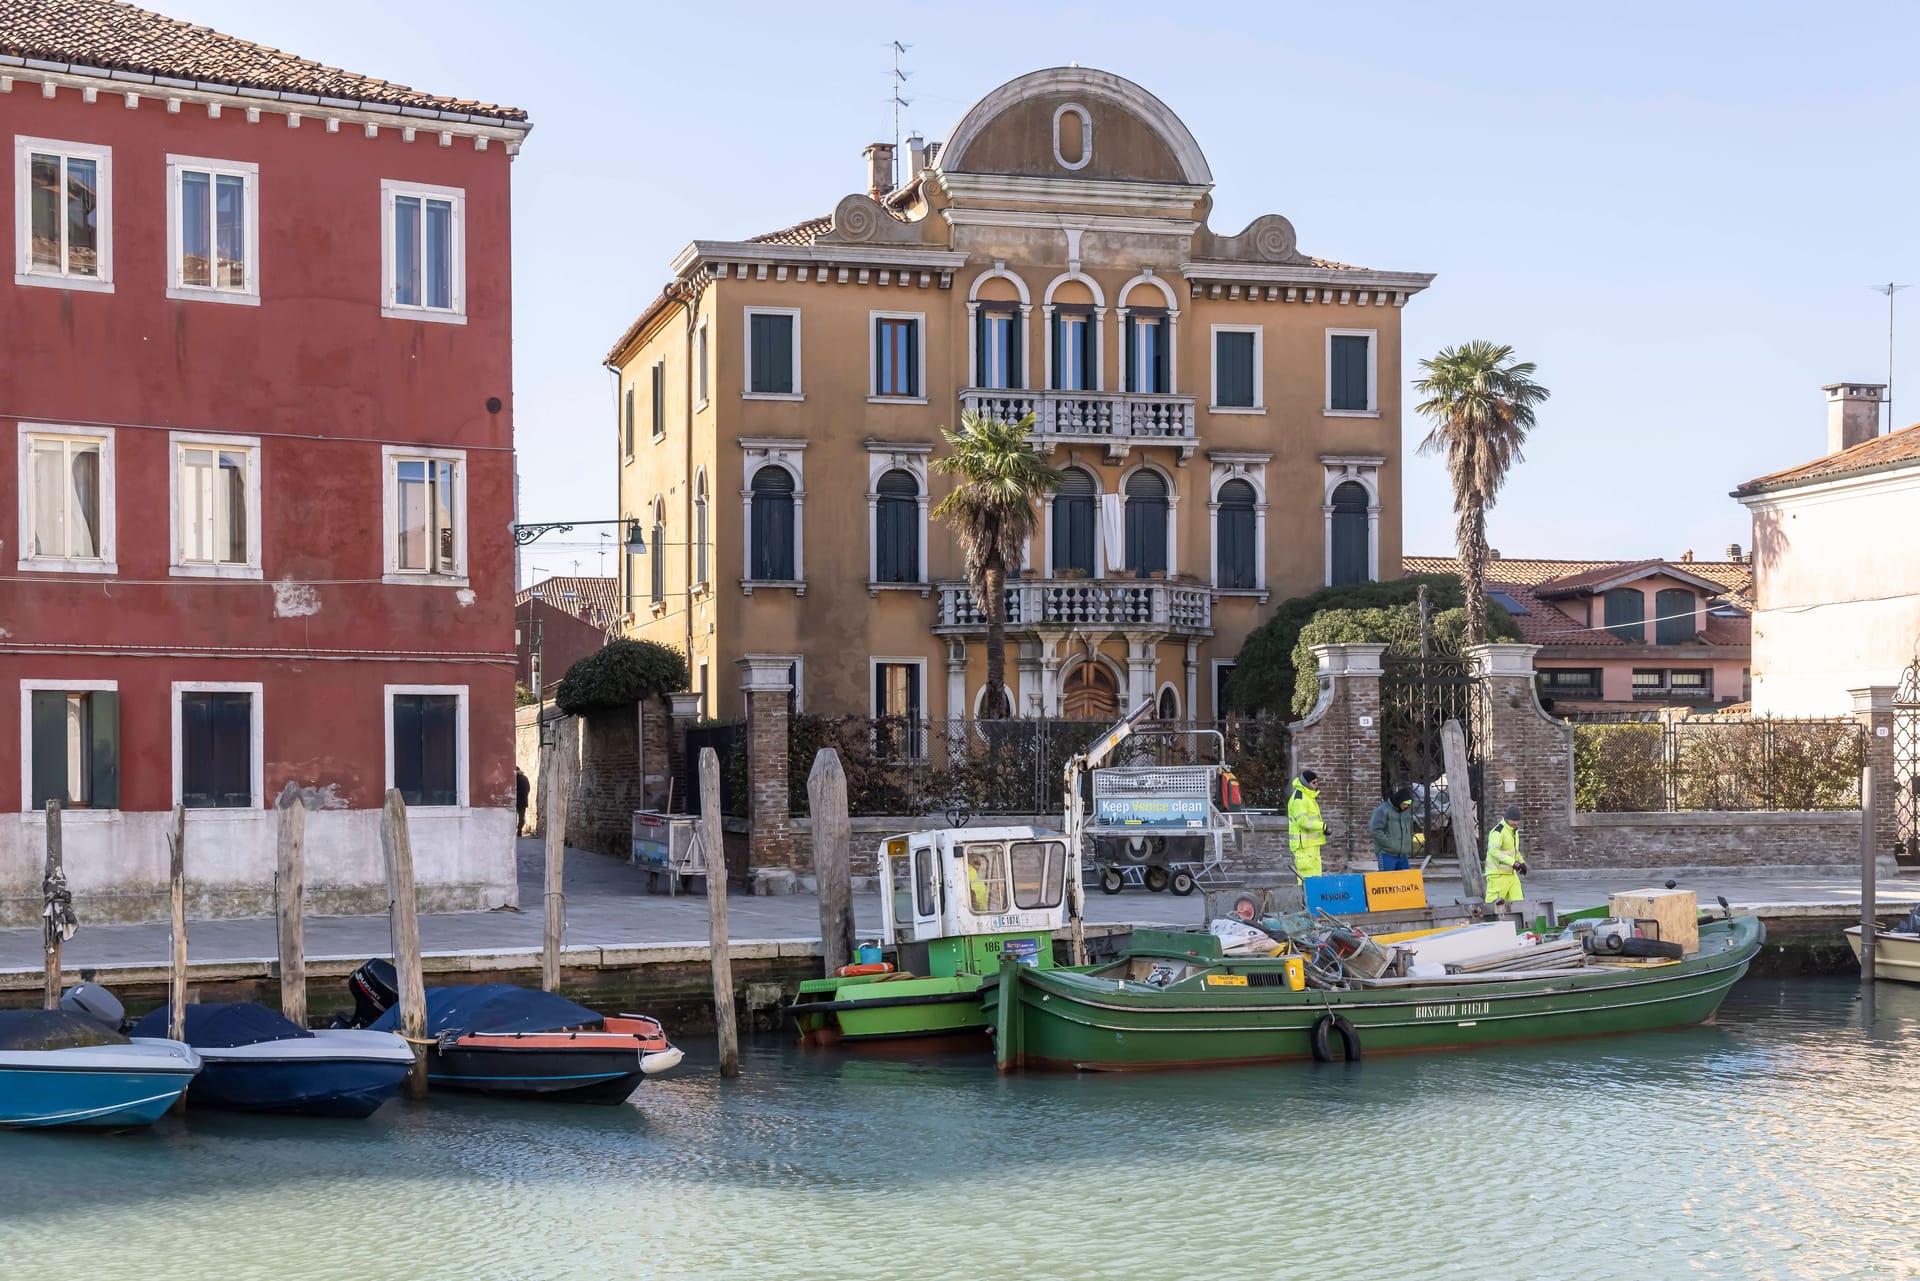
x=1779 y=1142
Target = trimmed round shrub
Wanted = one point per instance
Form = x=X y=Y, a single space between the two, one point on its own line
x=623 y=672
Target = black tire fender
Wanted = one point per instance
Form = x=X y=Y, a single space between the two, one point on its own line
x=1330 y=1022
x=1652 y=948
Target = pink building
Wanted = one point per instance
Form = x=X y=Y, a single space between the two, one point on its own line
x=1620 y=635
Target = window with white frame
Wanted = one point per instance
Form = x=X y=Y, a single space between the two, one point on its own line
x=658 y=401
x=700 y=527
x=1351 y=383
x=700 y=365
x=1148 y=350
x=216 y=504
x=1075 y=350
x=426 y=515
x=213 y=229
x=896 y=527
x=627 y=438
x=899 y=355
x=773 y=352
x=658 y=541
x=427 y=744
x=898 y=684
x=217 y=745
x=996 y=343
x=66 y=499
x=1236 y=369
x=70 y=744
x=63 y=208
x=423 y=252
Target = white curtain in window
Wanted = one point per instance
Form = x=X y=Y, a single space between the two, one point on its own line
x=1113 y=529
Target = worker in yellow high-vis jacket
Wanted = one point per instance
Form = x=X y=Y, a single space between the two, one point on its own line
x=1504 y=864
x=1306 y=830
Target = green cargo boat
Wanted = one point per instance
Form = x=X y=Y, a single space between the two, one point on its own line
x=961 y=907
x=1175 y=1001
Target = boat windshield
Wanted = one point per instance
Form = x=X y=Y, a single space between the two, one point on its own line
x=1039 y=873
x=986 y=866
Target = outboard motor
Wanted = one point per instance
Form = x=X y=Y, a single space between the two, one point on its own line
x=96 y=1003
x=375 y=987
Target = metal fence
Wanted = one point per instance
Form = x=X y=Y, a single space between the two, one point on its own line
x=895 y=765
x=1632 y=765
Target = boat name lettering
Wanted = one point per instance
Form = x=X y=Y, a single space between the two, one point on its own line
x=1454 y=1011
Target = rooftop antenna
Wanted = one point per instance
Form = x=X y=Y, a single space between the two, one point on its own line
x=899 y=79
x=1889 y=289
x=605 y=539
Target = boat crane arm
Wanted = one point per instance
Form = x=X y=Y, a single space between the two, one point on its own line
x=1076 y=814
x=1096 y=756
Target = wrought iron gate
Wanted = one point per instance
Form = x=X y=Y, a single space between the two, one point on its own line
x=1418 y=695
x=1906 y=764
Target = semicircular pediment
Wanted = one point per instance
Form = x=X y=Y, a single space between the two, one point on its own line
x=1075 y=122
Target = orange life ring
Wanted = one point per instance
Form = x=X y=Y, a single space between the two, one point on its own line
x=871 y=967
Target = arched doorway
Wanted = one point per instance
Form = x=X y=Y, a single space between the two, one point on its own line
x=1089 y=693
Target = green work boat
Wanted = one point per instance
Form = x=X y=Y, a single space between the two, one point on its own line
x=1175 y=1001
x=961 y=907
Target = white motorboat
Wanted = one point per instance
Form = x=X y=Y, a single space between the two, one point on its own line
x=1896 y=954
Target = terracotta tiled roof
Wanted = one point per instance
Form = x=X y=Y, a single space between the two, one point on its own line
x=591 y=600
x=1545 y=624
x=801 y=233
x=1895 y=449
x=112 y=36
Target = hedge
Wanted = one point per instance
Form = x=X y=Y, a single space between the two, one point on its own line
x=623 y=672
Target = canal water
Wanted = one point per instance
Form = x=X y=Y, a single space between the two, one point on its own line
x=1783 y=1141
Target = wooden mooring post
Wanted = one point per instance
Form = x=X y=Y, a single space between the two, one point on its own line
x=405 y=917
x=714 y=843
x=555 y=785
x=1466 y=832
x=1869 y=920
x=832 y=857
x=290 y=887
x=177 y=908
x=56 y=906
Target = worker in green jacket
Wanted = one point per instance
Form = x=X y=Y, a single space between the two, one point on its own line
x=1504 y=864
x=1392 y=829
x=1306 y=830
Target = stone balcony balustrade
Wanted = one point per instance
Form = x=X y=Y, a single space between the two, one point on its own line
x=1178 y=609
x=1117 y=421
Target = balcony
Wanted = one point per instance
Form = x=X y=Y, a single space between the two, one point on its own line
x=1117 y=421
x=1146 y=604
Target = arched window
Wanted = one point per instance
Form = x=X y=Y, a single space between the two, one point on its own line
x=1169 y=709
x=773 y=524
x=1349 y=533
x=1673 y=616
x=1146 y=522
x=1073 y=522
x=700 y=528
x=896 y=528
x=1235 y=535
x=1626 y=613
x=1089 y=693
x=659 y=550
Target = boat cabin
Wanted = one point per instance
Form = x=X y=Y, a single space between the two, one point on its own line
x=974 y=897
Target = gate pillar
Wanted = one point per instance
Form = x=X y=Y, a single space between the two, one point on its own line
x=1873 y=708
x=769 y=831
x=1340 y=741
x=1526 y=755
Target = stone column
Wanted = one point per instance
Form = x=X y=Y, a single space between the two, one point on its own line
x=685 y=711
x=770 y=853
x=1526 y=755
x=1340 y=741
x=1873 y=708
x=957 y=708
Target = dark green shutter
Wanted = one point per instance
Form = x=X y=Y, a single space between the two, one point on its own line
x=1132 y=344
x=629 y=420
x=780 y=353
x=1233 y=366
x=103 y=709
x=912 y=331
x=1054 y=363
x=1014 y=378
x=1163 y=339
x=1349 y=373
x=980 y=347
x=49 y=747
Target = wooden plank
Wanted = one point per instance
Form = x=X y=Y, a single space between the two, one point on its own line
x=1460 y=810
x=55 y=875
x=713 y=838
x=832 y=857
x=177 y=904
x=1868 y=927
x=555 y=786
x=1676 y=911
x=290 y=889
x=405 y=918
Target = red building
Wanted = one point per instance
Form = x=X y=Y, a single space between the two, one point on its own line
x=258 y=387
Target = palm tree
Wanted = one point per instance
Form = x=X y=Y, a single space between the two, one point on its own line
x=1481 y=402
x=992 y=512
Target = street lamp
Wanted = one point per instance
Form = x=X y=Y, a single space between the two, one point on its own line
x=636 y=544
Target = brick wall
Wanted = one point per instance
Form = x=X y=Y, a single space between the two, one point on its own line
x=619 y=759
x=770 y=835
x=1340 y=741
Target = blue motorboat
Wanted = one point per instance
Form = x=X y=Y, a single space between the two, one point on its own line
x=257 y=1060
x=59 y=1068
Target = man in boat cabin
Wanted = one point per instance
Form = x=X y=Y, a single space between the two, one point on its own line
x=1504 y=864
x=1306 y=830
x=1392 y=830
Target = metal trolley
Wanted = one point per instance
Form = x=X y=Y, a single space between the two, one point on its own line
x=1164 y=827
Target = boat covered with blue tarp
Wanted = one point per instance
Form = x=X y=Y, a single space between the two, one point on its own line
x=258 y=1060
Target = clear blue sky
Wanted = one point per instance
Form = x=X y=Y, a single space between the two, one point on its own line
x=1675 y=209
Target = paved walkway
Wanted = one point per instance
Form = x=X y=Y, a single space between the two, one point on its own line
x=608 y=906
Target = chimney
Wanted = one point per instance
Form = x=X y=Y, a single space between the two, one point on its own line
x=1688 y=558
x=1853 y=414
x=879 y=169
x=916 y=156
